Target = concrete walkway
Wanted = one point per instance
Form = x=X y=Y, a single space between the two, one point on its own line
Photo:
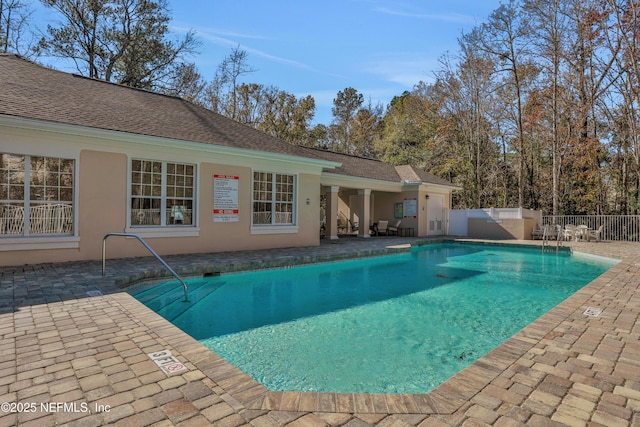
x=75 y=351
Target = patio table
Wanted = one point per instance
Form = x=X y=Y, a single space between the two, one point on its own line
x=582 y=232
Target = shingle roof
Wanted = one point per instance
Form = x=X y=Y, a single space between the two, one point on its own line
x=376 y=169
x=32 y=91
x=357 y=166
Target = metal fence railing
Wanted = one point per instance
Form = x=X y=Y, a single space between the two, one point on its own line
x=614 y=227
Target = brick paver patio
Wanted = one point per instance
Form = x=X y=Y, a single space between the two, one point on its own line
x=73 y=356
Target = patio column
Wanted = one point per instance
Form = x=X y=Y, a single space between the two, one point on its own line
x=331 y=228
x=364 y=212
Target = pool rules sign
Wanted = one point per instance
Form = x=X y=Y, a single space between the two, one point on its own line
x=225 y=198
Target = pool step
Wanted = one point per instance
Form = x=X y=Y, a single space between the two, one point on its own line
x=156 y=295
x=166 y=298
x=148 y=293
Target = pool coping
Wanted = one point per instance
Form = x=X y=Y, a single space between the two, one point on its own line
x=64 y=342
x=445 y=399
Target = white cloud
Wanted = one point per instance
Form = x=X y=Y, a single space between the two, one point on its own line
x=405 y=69
x=457 y=18
x=221 y=38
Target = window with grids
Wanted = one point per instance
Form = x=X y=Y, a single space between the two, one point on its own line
x=273 y=198
x=36 y=195
x=162 y=193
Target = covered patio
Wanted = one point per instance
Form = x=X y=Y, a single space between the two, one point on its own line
x=362 y=192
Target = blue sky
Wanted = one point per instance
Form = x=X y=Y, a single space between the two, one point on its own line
x=379 y=47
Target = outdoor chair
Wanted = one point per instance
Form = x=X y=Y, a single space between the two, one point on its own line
x=538 y=232
x=383 y=227
x=393 y=228
x=595 y=234
x=342 y=226
x=569 y=232
x=177 y=214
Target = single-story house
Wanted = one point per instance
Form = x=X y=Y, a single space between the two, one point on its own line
x=80 y=158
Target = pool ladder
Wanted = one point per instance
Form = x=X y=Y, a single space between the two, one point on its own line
x=547 y=236
x=141 y=240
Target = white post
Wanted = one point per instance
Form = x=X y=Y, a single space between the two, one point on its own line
x=364 y=207
x=331 y=230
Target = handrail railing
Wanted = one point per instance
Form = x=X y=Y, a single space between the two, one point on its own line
x=104 y=250
x=551 y=233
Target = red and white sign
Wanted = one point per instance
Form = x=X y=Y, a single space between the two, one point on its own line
x=225 y=198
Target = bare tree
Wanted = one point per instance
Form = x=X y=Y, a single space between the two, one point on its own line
x=623 y=40
x=125 y=41
x=549 y=36
x=187 y=83
x=591 y=73
x=223 y=91
x=467 y=93
x=14 y=33
x=505 y=37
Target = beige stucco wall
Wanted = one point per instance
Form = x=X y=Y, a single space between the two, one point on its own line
x=101 y=196
x=102 y=203
x=384 y=203
x=102 y=200
x=483 y=228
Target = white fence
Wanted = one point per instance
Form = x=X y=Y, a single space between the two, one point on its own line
x=614 y=227
x=458 y=218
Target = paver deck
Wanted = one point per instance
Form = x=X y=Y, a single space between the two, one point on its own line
x=73 y=356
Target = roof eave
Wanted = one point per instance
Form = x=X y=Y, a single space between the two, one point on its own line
x=64 y=128
x=444 y=186
x=349 y=181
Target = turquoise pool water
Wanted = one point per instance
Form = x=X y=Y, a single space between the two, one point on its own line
x=395 y=324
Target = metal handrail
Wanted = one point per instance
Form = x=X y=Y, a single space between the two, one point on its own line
x=547 y=236
x=104 y=250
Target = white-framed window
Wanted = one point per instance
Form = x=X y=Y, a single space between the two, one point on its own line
x=36 y=195
x=274 y=197
x=162 y=194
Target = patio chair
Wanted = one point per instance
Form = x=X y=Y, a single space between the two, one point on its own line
x=342 y=226
x=393 y=228
x=551 y=232
x=538 y=232
x=595 y=234
x=138 y=216
x=569 y=232
x=383 y=227
x=177 y=214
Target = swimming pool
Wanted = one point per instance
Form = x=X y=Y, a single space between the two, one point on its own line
x=393 y=324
